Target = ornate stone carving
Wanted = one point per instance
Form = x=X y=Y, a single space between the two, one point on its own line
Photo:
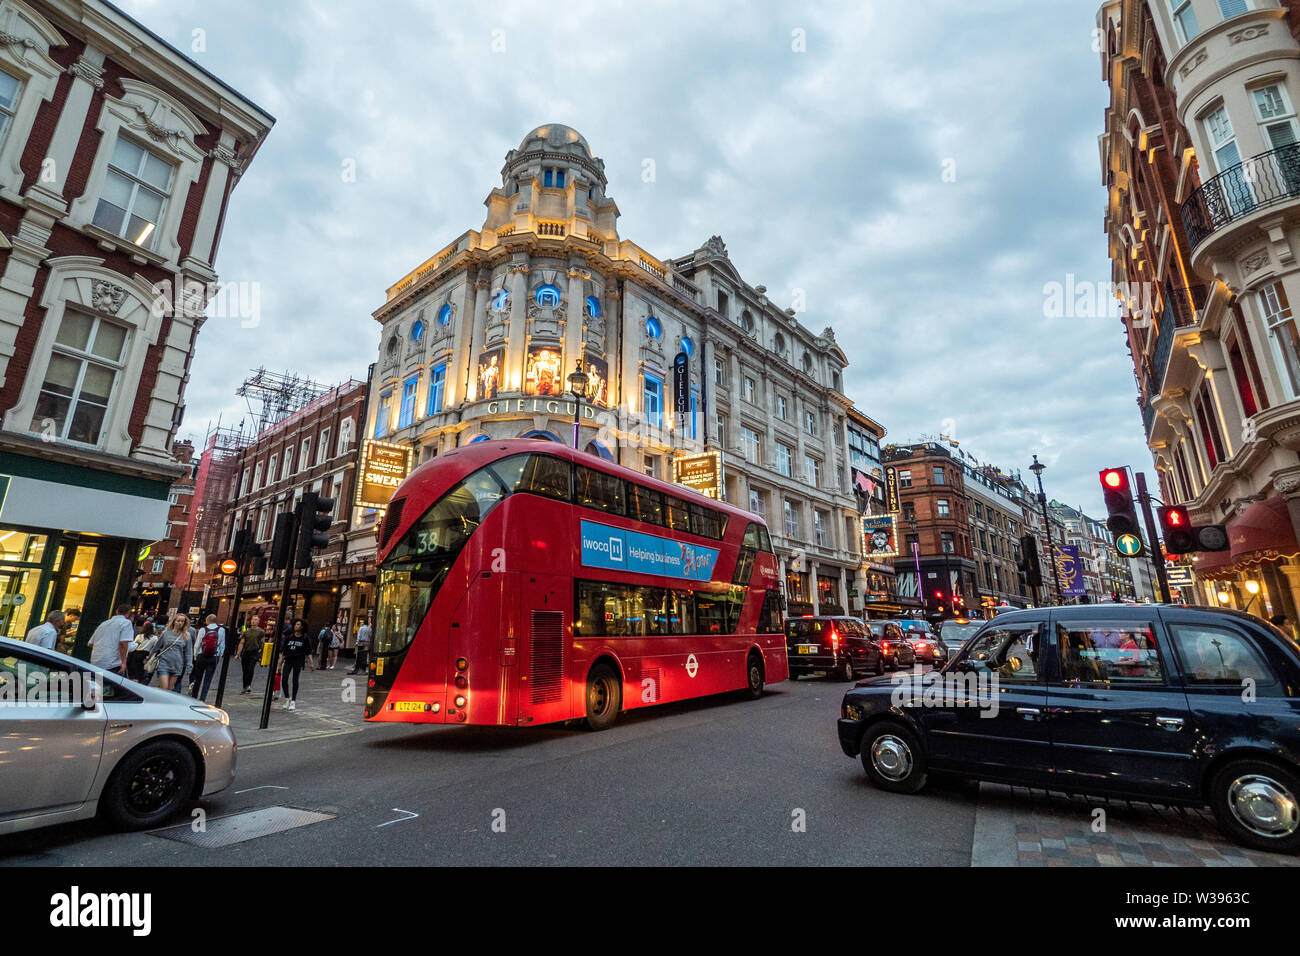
x=1248 y=33
x=518 y=268
x=224 y=154
x=158 y=132
x=1287 y=484
x=715 y=246
x=828 y=333
x=88 y=71
x=544 y=320
x=1196 y=60
x=8 y=39
x=106 y=297
x=1255 y=262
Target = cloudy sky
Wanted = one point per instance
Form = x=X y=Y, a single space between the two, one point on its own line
x=921 y=171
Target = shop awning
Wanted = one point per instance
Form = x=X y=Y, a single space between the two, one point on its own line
x=1215 y=565
x=1263 y=533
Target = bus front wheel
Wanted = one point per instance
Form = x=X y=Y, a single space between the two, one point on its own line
x=604 y=697
x=754 y=677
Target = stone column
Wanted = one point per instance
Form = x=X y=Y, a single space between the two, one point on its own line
x=478 y=332
x=513 y=373
x=813 y=591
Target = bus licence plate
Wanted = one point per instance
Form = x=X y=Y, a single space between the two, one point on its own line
x=409 y=705
x=808 y=648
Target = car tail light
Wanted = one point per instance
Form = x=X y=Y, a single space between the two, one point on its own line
x=884 y=645
x=835 y=639
x=461 y=682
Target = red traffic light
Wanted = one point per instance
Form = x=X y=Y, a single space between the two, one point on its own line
x=1114 y=478
x=1174 y=518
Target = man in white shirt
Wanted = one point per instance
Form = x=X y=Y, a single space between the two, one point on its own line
x=47 y=635
x=205 y=664
x=111 y=641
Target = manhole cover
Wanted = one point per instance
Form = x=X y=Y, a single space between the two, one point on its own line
x=239 y=827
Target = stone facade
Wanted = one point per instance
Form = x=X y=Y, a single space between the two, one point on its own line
x=479 y=342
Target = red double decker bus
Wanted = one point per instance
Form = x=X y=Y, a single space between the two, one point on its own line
x=522 y=582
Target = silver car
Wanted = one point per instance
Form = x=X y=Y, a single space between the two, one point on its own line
x=76 y=741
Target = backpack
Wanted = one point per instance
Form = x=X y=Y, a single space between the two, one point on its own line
x=208 y=647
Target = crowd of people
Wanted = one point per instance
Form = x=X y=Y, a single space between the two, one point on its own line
x=182 y=656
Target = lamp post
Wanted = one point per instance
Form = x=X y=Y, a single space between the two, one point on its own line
x=578 y=384
x=1037 y=468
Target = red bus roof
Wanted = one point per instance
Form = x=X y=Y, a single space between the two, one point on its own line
x=477 y=454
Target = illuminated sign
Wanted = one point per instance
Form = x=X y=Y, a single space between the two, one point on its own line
x=702 y=473
x=879 y=537
x=891 y=491
x=229 y=567
x=384 y=466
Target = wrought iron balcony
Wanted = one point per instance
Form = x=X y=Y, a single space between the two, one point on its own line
x=1256 y=183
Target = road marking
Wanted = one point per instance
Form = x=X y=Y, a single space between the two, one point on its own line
x=410 y=816
x=294 y=740
x=692 y=665
x=268 y=786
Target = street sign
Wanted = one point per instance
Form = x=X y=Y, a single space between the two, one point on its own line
x=1179 y=577
x=229 y=567
x=1129 y=545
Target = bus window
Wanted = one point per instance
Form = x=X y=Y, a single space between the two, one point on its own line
x=706 y=522
x=683 y=613
x=764 y=540
x=645 y=504
x=769 y=618
x=711 y=613
x=595 y=489
x=677 y=514
x=547 y=476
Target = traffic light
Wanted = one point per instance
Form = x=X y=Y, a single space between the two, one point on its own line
x=1031 y=572
x=313 y=527
x=256 y=560
x=1183 y=537
x=1118 y=496
x=281 y=542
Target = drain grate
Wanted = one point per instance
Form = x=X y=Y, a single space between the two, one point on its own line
x=240 y=827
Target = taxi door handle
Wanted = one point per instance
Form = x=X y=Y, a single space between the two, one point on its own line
x=1030 y=713
x=1171 y=724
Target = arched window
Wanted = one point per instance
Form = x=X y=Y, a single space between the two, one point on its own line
x=393 y=347
x=807 y=362
x=444 y=315
x=687 y=345
x=417 y=330
x=593 y=306
x=653 y=328
x=747 y=322
x=779 y=342
x=501 y=300
x=548 y=295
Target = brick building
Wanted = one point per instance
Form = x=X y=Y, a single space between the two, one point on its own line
x=163 y=568
x=313 y=449
x=118 y=156
x=933 y=516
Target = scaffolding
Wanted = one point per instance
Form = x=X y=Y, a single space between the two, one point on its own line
x=214 y=487
x=273 y=396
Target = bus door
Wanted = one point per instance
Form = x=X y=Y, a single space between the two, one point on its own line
x=541 y=649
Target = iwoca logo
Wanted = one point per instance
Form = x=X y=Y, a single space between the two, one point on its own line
x=616 y=549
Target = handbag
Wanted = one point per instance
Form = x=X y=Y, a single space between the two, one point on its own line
x=151 y=662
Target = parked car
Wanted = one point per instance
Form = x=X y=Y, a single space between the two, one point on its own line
x=954 y=632
x=925 y=645
x=831 y=645
x=1133 y=701
x=77 y=741
x=893 y=645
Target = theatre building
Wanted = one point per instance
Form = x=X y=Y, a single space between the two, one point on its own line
x=676 y=359
x=118 y=155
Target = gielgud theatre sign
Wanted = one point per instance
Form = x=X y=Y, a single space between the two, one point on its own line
x=513 y=407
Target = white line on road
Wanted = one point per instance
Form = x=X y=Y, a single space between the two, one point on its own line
x=268 y=786
x=411 y=816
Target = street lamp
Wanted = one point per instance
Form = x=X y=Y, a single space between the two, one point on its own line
x=1252 y=588
x=578 y=384
x=1037 y=468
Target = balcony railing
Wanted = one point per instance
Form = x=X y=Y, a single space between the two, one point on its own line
x=1257 y=183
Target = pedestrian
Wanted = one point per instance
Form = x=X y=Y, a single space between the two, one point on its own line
x=250 y=650
x=47 y=635
x=336 y=642
x=363 y=648
x=323 y=639
x=173 y=652
x=297 y=651
x=111 y=641
x=209 y=648
x=139 y=653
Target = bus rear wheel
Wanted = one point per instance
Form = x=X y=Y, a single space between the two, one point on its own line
x=604 y=697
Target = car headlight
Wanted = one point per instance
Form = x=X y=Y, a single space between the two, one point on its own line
x=212 y=713
x=852 y=711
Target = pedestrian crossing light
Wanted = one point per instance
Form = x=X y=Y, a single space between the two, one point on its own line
x=1118 y=496
x=1182 y=537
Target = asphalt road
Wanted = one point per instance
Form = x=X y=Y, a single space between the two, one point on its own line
x=715 y=781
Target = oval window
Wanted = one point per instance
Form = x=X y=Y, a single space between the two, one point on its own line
x=444 y=315
x=687 y=345
x=593 y=306
x=417 y=330
x=653 y=328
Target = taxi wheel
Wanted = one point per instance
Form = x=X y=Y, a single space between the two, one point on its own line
x=1257 y=803
x=846 y=669
x=893 y=758
x=754 y=676
x=150 y=785
x=604 y=697
x=880 y=664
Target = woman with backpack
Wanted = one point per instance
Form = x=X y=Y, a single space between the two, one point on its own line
x=172 y=652
x=297 y=651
